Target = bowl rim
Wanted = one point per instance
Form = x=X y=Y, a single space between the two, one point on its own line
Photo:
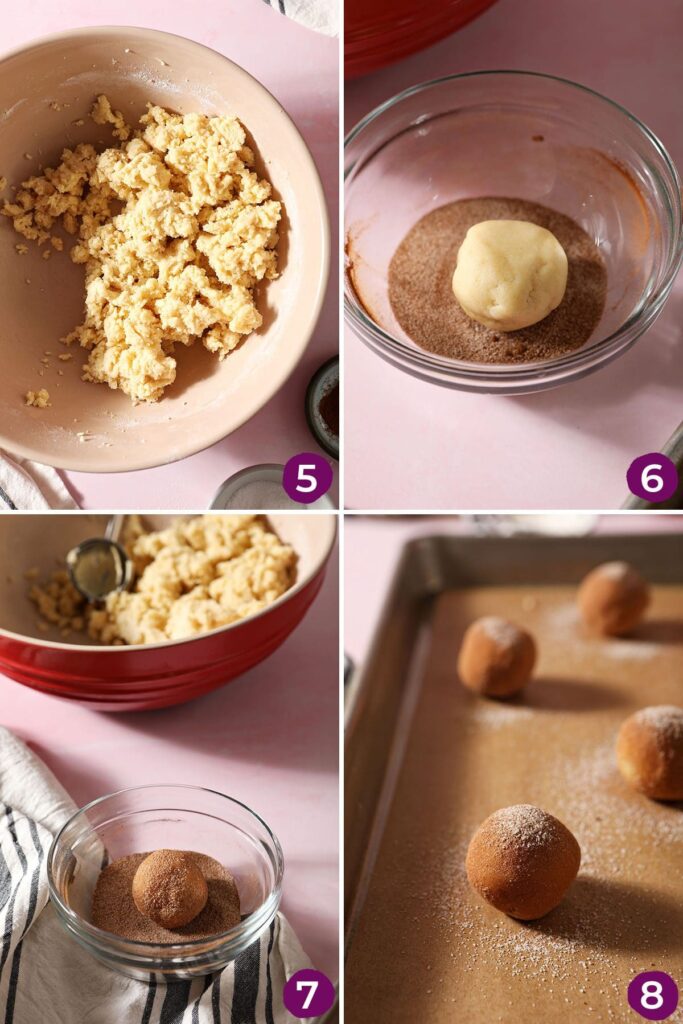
x=475 y=376
x=80 y=924
x=123 y=649
x=302 y=336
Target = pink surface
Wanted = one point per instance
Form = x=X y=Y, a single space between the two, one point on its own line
x=412 y=445
x=372 y=547
x=270 y=739
x=301 y=69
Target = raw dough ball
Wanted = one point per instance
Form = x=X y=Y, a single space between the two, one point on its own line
x=496 y=657
x=522 y=860
x=650 y=751
x=510 y=274
x=169 y=888
x=613 y=598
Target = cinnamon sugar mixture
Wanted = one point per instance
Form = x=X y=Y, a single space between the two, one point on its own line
x=423 y=302
x=114 y=910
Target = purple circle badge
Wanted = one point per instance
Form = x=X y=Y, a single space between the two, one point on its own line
x=652 y=477
x=306 y=477
x=308 y=993
x=653 y=994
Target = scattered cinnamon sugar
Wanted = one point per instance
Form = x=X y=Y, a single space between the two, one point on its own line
x=523 y=825
x=665 y=719
x=423 y=302
x=114 y=909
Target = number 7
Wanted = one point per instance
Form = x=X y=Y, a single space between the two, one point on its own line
x=312 y=986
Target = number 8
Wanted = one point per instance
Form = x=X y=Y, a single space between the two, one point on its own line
x=651 y=998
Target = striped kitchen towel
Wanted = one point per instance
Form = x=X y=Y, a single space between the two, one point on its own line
x=45 y=976
x=320 y=15
x=29 y=485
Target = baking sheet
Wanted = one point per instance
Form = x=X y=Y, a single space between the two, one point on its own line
x=422 y=946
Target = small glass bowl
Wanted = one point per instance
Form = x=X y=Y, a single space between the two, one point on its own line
x=523 y=135
x=148 y=818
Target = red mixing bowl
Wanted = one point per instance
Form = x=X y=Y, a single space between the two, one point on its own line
x=379 y=32
x=142 y=676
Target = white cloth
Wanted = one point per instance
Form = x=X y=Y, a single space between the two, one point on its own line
x=47 y=978
x=29 y=485
x=319 y=15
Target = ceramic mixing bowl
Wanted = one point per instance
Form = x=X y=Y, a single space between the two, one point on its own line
x=149 y=818
x=142 y=676
x=528 y=136
x=44 y=89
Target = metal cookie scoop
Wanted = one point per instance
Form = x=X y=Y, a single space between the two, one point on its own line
x=100 y=566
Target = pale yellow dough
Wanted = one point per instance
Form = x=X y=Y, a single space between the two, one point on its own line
x=197 y=575
x=510 y=274
x=175 y=228
x=38 y=399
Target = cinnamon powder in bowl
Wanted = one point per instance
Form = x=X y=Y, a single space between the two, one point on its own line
x=423 y=302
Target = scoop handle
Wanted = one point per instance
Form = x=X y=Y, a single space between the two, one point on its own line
x=114 y=528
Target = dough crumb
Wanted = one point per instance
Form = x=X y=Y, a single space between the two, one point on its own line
x=3 y=183
x=103 y=113
x=38 y=399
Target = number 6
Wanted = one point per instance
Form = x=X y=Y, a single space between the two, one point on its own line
x=652 y=483
x=304 y=477
x=312 y=987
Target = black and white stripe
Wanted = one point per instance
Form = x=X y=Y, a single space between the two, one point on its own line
x=269 y=981
x=6 y=500
x=21 y=882
x=149 y=1001
x=279 y=5
x=246 y=986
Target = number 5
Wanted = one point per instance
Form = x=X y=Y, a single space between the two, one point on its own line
x=304 y=477
x=312 y=987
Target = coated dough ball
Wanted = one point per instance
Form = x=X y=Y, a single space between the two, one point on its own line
x=169 y=888
x=522 y=860
x=510 y=274
x=496 y=658
x=613 y=598
x=650 y=751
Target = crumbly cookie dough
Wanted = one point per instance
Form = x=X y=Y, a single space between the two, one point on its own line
x=38 y=399
x=197 y=575
x=176 y=262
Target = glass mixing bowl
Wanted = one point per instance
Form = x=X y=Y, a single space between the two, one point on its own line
x=523 y=135
x=176 y=817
